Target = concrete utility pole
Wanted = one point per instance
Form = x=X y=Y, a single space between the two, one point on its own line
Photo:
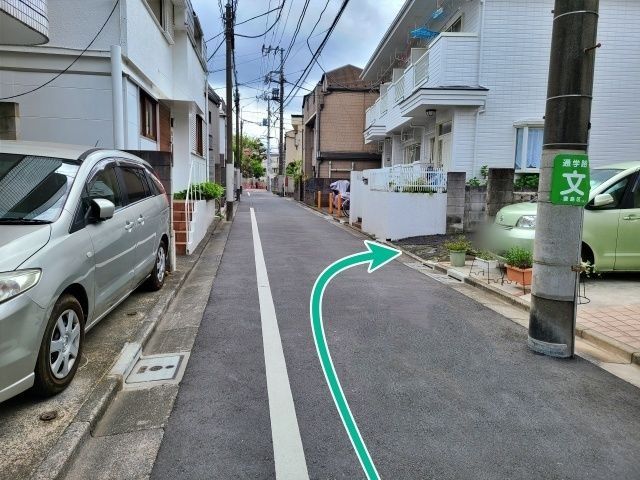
x=229 y=173
x=566 y=131
x=269 y=143
x=238 y=136
x=281 y=145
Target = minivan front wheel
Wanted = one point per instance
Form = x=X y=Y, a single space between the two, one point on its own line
x=61 y=347
x=159 y=272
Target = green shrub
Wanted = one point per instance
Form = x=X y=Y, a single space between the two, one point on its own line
x=527 y=181
x=519 y=257
x=205 y=190
x=461 y=244
x=486 y=255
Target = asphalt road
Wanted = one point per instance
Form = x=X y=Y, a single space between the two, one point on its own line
x=441 y=387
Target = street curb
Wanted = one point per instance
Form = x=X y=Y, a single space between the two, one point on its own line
x=57 y=463
x=59 y=458
x=609 y=344
x=632 y=355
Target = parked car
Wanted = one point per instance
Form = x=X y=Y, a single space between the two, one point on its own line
x=611 y=228
x=80 y=229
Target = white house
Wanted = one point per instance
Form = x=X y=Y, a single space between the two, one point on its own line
x=141 y=84
x=464 y=84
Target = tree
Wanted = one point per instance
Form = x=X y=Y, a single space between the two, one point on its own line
x=252 y=154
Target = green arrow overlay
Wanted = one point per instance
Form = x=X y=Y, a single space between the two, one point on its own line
x=377 y=255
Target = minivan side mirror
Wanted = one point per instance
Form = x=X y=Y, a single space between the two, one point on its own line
x=103 y=209
x=603 y=200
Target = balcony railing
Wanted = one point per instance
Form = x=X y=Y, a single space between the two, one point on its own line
x=399 y=89
x=420 y=70
x=431 y=70
x=410 y=178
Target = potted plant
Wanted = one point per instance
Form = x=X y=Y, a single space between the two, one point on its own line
x=519 y=263
x=457 y=250
x=486 y=260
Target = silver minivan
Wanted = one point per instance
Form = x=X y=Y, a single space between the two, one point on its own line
x=80 y=229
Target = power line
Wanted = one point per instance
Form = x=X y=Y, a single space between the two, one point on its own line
x=296 y=31
x=309 y=66
x=74 y=60
x=268 y=29
x=258 y=16
x=217 y=48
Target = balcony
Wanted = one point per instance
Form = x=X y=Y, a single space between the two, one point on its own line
x=445 y=75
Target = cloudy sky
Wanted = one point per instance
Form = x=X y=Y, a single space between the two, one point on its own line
x=356 y=35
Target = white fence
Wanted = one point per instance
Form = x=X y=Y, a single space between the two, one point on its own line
x=399 y=202
x=411 y=178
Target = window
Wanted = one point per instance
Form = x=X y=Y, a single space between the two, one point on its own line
x=135 y=184
x=444 y=128
x=148 y=116
x=636 y=194
x=105 y=185
x=456 y=26
x=157 y=7
x=34 y=189
x=528 y=148
x=155 y=183
x=412 y=153
x=199 y=135
x=617 y=192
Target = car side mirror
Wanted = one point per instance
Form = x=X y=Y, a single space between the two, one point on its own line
x=603 y=200
x=103 y=209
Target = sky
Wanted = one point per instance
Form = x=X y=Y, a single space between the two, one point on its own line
x=353 y=40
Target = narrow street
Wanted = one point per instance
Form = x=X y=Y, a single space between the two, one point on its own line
x=440 y=386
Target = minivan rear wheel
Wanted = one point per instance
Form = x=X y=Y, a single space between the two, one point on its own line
x=159 y=272
x=61 y=347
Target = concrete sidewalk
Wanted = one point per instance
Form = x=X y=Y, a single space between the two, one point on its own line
x=609 y=310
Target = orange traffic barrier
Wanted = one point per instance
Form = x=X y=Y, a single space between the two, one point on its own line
x=331 y=203
x=339 y=211
x=319 y=200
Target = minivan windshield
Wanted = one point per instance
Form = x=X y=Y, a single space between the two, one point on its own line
x=600 y=175
x=33 y=189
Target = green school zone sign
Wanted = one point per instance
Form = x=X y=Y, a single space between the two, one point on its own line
x=570 y=183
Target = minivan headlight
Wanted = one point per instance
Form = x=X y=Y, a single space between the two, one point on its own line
x=526 y=221
x=15 y=283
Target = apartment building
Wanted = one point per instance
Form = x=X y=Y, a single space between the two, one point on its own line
x=463 y=84
x=334 y=118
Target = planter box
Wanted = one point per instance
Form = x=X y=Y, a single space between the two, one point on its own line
x=457 y=258
x=487 y=264
x=519 y=275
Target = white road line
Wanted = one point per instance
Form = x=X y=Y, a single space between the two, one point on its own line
x=288 y=453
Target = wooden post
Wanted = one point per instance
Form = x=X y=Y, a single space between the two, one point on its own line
x=319 y=200
x=339 y=212
x=331 y=203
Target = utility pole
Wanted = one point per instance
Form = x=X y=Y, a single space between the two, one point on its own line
x=238 y=139
x=269 y=142
x=229 y=173
x=559 y=225
x=281 y=145
x=280 y=72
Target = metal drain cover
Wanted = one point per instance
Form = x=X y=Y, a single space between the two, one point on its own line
x=155 y=369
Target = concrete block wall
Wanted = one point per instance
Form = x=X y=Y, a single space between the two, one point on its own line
x=499 y=190
x=455 y=201
x=475 y=208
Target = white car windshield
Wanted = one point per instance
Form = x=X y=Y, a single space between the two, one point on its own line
x=601 y=175
x=33 y=189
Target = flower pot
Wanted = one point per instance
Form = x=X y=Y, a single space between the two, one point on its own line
x=519 y=275
x=486 y=264
x=457 y=258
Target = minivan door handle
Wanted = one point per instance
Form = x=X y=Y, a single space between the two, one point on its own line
x=128 y=226
x=632 y=217
x=141 y=220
